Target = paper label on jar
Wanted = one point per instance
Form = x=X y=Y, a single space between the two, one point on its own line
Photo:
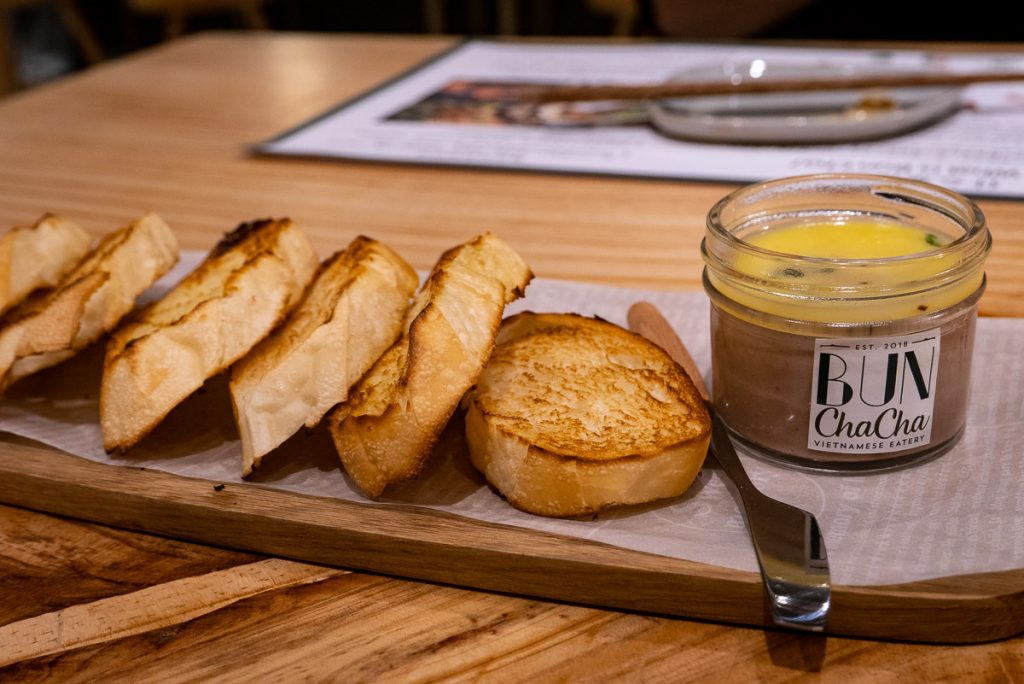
x=873 y=395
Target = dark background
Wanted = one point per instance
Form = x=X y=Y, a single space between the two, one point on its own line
x=42 y=47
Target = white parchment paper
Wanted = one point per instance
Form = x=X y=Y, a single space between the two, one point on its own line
x=961 y=513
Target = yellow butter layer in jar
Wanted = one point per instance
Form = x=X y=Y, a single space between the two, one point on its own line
x=847 y=240
x=858 y=271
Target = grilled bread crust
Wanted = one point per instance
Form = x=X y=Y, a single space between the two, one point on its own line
x=574 y=414
x=38 y=257
x=233 y=299
x=395 y=414
x=350 y=315
x=88 y=302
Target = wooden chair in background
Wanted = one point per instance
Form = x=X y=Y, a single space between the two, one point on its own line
x=623 y=13
x=177 y=12
x=507 y=16
x=74 y=22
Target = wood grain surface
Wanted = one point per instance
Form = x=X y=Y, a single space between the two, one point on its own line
x=359 y=627
x=168 y=130
x=429 y=545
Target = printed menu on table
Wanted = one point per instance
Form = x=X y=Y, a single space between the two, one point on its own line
x=466 y=108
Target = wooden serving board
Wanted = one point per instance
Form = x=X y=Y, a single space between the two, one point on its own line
x=429 y=545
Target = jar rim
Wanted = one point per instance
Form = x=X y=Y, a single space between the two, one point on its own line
x=826 y=288
x=972 y=220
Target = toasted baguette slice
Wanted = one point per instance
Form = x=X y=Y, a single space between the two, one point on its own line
x=387 y=429
x=575 y=414
x=38 y=257
x=351 y=314
x=89 y=301
x=232 y=300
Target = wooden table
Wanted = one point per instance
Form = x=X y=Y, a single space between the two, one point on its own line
x=167 y=130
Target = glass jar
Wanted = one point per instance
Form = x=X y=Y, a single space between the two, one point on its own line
x=859 y=359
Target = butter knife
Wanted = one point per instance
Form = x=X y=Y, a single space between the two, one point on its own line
x=787 y=540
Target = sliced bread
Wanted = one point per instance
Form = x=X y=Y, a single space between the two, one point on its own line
x=88 y=302
x=232 y=300
x=388 y=427
x=350 y=315
x=38 y=257
x=574 y=414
